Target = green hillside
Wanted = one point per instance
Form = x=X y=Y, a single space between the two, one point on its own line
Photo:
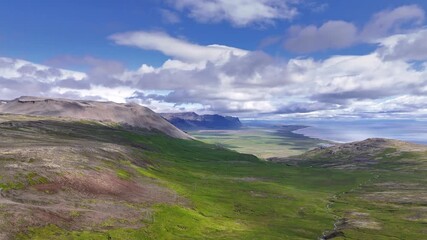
x=63 y=179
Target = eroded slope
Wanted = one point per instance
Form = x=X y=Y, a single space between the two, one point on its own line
x=73 y=175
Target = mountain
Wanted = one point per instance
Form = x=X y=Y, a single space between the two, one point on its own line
x=132 y=115
x=192 y=121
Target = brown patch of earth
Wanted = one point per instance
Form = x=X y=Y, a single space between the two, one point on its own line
x=50 y=188
x=400 y=197
x=84 y=200
x=361 y=220
x=418 y=214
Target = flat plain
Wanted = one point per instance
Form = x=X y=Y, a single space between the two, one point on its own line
x=263 y=142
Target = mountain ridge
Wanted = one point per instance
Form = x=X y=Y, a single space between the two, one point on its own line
x=129 y=114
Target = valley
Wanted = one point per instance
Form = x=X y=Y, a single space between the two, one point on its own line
x=68 y=179
x=213 y=120
x=262 y=141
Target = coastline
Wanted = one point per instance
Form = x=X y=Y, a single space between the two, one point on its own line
x=341 y=135
x=345 y=131
x=314 y=136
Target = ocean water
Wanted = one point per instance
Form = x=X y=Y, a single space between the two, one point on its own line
x=355 y=130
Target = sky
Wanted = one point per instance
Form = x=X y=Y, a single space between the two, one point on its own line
x=255 y=59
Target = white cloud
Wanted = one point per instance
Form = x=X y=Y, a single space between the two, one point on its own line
x=16 y=68
x=393 y=21
x=253 y=85
x=341 y=34
x=257 y=84
x=115 y=94
x=174 y=47
x=249 y=84
x=410 y=46
x=238 y=12
x=19 y=77
x=344 y=78
x=332 y=34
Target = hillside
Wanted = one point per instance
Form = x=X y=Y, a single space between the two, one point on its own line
x=126 y=114
x=73 y=175
x=68 y=179
x=193 y=121
x=62 y=178
x=386 y=205
x=367 y=154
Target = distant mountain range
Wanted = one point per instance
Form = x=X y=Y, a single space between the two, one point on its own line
x=193 y=121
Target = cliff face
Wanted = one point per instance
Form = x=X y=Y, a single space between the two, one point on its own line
x=127 y=114
x=193 y=121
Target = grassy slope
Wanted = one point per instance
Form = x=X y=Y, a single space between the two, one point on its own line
x=254 y=199
x=397 y=212
x=390 y=205
x=396 y=198
x=237 y=196
x=231 y=195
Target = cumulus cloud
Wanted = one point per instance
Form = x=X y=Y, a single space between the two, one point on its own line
x=256 y=84
x=410 y=47
x=174 y=47
x=332 y=34
x=341 y=34
x=15 y=68
x=251 y=85
x=101 y=72
x=305 y=107
x=393 y=21
x=383 y=83
x=343 y=78
x=238 y=12
x=19 y=77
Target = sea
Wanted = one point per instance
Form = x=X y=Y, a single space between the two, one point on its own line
x=360 y=129
x=355 y=130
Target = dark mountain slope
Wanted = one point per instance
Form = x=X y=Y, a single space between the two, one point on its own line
x=193 y=121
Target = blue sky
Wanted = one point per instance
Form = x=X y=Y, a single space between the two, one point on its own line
x=41 y=30
x=254 y=59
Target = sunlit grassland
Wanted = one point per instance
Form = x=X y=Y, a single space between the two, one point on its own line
x=230 y=196
x=390 y=207
x=262 y=142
